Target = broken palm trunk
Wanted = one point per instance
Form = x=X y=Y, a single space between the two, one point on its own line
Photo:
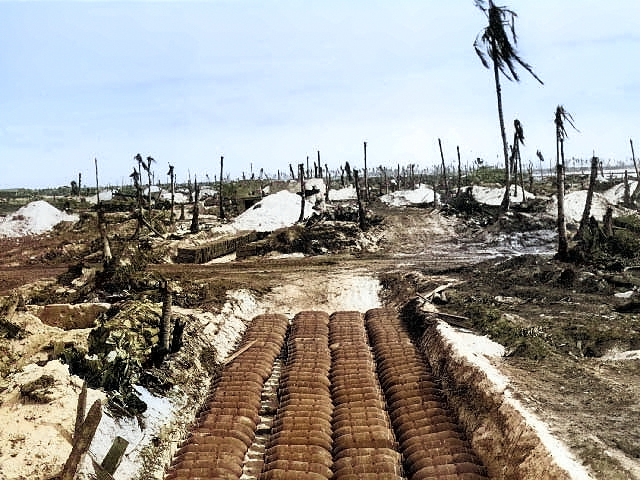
x=195 y=219
x=165 y=320
x=361 y=213
x=587 y=206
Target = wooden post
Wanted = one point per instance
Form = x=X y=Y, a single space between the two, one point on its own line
x=82 y=405
x=112 y=459
x=83 y=441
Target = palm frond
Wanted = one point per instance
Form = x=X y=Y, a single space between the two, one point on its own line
x=561 y=116
x=519 y=131
x=498 y=41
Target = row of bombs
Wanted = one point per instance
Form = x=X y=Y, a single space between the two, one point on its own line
x=226 y=426
x=364 y=444
x=300 y=444
x=432 y=443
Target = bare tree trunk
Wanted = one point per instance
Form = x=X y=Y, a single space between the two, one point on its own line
x=459 y=171
x=504 y=206
x=563 y=244
x=627 y=192
x=107 y=258
x=444 y=170
x=608 y=222
x=586 y=213
x=302 y=191
x=165 y=320
x=195 y=219
x=172 y=216
x=221 y=197
x=521 y=174
x=79 y=185
x=326 y=190
x=366 y=181
x=361 y=213
x=636 y=191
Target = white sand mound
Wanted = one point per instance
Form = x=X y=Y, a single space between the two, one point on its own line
x=275 y=211
x=403 y=198
x=32 y=219
x=574 y=206
x=493 y=196
x=105 y=195
x=615 y=194
x=178 y=197
x=347 y=193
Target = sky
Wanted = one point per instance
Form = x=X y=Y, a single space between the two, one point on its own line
x=266 y=83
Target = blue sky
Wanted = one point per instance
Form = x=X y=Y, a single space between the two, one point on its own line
x=266 y=83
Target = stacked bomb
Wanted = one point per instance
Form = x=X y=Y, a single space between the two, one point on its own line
x=364 y=446
x=226 y=426
x=300 y=443
x=433 y=445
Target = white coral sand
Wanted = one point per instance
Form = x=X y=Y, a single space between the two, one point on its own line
x=32 y=219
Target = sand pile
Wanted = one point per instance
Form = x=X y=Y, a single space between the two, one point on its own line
x=402 y=198
x=275 y=211
x=32 y=219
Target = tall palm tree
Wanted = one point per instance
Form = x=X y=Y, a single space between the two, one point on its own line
x=561 y=133
x=497 y=42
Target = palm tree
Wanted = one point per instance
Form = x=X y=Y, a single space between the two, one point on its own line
x=561 y=133
x=498 y=45
x=539 y=154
